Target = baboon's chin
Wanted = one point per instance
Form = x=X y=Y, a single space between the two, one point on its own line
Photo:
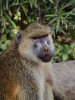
x=45 y=58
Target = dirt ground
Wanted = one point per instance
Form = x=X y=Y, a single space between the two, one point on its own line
x=65 y=75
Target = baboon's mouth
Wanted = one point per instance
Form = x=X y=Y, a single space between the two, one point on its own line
x=45 y=58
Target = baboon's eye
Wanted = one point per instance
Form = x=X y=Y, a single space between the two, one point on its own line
x=48 y=42
x=35 y=46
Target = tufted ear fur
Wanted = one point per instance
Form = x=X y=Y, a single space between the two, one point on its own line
x=19 y=36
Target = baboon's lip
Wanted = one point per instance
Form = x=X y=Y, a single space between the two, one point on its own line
x=45 y=58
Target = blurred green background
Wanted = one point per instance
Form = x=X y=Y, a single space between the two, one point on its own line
x=58 y=14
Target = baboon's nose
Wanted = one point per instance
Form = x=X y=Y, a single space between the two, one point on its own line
x=46 y=50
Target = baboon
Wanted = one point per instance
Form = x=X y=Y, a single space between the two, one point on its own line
x=25 y=67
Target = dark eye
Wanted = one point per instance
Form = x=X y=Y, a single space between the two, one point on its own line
x=35 y=46
x=41 y=41
x=48 y=42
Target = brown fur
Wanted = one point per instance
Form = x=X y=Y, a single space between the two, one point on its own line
x=21 y=78
x=37 y=31
x=13 y=75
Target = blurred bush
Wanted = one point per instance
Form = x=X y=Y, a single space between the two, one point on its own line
x=58 y=14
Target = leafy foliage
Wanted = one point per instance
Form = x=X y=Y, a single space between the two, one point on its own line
x=58 y=14
x=62 y=18
x=64 y=52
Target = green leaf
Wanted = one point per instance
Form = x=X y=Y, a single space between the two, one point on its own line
x=51 y=15
x=33 y=2
x=73 y=54
x=58 y=24
x=12 y=34
x=65 y=57
x=51 y=1
x=7 y=2
x=0 y=44
x=57 y=51
x=11 y=21
x=0 y=52
x=61 y=48
x=7 y=42
x=3 y=38
x=66 y=49
x=4 y=46
x=73 y=45
x=61 y=30
x=25 y=10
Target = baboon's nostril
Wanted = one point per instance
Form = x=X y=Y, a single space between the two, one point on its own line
x=46 y=50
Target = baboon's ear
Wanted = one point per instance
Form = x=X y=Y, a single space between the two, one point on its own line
x=19 y=36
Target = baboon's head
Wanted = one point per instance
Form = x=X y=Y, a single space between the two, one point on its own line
x=36 y=43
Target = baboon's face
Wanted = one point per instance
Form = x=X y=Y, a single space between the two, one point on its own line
x=43 y=48
x=37 y=49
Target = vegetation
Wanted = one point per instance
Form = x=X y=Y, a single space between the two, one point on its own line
x=58 y=14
